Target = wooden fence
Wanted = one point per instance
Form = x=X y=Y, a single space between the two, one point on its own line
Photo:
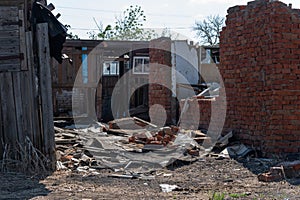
x=26 y=118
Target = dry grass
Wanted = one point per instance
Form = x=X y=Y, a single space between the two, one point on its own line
x=24 y=158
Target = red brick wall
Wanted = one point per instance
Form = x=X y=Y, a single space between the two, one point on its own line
x=160 y=74
x=209 y=114
x=260 y=65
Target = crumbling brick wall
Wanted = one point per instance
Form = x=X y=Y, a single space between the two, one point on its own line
x=260 y=65
x=160 y=80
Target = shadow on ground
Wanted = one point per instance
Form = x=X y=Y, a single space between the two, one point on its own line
x=18 y=186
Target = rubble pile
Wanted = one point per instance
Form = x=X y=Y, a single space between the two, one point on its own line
x=132 y=147
x=70 y=152
x=93 y=146
x=163 y=136
x=282 y=171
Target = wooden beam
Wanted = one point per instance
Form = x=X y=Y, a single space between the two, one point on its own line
x=46 y=92
x=33 y=106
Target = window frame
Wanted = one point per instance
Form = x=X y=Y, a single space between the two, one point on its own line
x=110 y=74
x=143 y=64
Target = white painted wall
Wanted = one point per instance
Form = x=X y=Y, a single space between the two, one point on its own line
x=185 y=61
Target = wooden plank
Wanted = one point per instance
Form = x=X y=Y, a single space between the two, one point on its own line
x=8 y=108
x=6 y=21
x=9 y=41
x=8 y=13
x=11 y=50
x=46 y=92
x=11 y=2
x=12 y=67
x=54 y=71
x=23 y=41
x=32 y=89
x=29 y=50
x=9 y=34
x=9 y=27
x=18 y=106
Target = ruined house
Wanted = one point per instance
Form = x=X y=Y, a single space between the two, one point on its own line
x=83 y=84
x=259 y=55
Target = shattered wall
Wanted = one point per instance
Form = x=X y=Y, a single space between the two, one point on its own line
x=260 y=66
x=160 y=79
x=185 y=62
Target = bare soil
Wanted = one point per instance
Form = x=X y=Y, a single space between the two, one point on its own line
x=198 y=180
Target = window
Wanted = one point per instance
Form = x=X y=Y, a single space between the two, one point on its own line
x=111 y=68
x=207 y=57
x=210 y=56
x=141 y=65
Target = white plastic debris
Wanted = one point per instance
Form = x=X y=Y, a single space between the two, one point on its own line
x=167 y=187
x=185 y=140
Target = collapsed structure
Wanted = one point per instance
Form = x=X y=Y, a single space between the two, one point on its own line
x=258 y=73
x=259 y=50
x=260 y=67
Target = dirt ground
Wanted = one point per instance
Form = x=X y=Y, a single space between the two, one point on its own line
x=198 y=180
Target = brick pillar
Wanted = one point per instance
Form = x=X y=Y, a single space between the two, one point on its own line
x=160 y=81
x=260 y=65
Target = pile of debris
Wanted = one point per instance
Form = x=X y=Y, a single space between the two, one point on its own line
x=134 y=148
x=70 y=152
x=282 y=171
x=145 y=136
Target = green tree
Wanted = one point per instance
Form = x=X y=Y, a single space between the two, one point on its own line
x=208 y=30
x=128 y=26
x=71 y=35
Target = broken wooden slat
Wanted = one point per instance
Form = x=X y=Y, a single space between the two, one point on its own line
x=126 y=132
x=46 y=92
x=65 y=141
x=144 y=122
x=60 y=130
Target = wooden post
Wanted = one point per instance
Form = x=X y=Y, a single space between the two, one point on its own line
x=29 y=81
x=46 y=92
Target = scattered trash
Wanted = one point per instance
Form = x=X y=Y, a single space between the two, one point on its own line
x=168 y=188
x=282 y=171
x=212 y=90
x=224 y=140
x=236 y=151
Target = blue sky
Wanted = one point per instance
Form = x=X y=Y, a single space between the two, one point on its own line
x=178 y=15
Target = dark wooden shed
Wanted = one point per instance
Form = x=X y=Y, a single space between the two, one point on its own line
x=26 y=119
